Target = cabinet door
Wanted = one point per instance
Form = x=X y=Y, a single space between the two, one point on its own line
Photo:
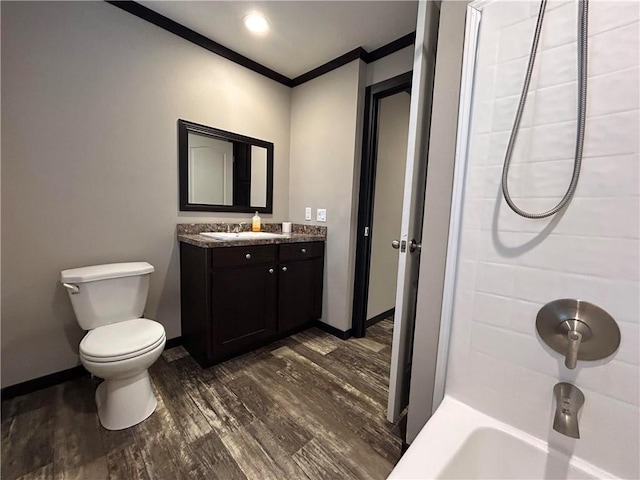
x=300 y=293
x=243 y=308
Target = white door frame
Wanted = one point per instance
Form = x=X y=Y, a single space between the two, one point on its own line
x=472 y=30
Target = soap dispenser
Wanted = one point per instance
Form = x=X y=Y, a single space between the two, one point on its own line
x=255 y=224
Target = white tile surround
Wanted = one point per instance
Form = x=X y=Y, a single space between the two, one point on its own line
x=509 y=266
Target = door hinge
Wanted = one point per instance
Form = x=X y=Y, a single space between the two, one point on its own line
x=366 y=231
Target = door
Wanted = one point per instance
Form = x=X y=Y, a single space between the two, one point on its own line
x=390 y=165
x=376 y=188
x=413 y=206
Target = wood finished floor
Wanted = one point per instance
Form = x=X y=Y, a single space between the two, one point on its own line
x=310 y=406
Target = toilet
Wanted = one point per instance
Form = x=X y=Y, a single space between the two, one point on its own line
x=120 y=345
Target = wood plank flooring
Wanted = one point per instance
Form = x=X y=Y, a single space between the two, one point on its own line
x=307 y=407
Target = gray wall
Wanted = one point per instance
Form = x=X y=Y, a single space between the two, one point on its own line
x=393 y=131
x=326 y=139
x=446 y=91
x=90 y=100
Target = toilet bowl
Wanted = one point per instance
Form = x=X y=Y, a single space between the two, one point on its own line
x=108 y=301
x=125 y=398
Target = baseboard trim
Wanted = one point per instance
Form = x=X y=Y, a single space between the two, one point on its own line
x=52 y=379
x=380 y=317
x=336 y=332
x=43 y=382
x=404 y=448
x=173 y=342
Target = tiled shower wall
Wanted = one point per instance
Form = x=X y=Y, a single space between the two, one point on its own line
x=509 y=267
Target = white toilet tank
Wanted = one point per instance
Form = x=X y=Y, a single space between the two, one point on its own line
x=105 y=294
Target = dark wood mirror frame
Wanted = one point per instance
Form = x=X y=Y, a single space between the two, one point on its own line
x=184 y=128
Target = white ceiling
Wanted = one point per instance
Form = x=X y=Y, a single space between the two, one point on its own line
x=304 y=34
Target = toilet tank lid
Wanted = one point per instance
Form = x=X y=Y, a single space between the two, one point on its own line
x=104 y=272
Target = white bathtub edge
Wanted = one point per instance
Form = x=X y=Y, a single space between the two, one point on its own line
x=445 y=432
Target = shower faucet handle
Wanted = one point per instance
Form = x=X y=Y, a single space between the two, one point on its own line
x=571 y=357
x=578 y=330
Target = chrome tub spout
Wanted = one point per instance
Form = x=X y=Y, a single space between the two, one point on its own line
x=569 y=401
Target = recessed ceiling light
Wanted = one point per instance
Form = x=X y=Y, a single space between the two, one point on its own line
x=256 y=23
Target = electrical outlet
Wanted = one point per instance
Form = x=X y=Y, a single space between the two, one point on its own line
x=307 y=213
x=321 y=215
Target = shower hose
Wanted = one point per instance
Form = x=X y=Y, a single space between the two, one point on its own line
x=582 y=104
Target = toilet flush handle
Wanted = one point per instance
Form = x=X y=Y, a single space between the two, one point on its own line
x=73 y=289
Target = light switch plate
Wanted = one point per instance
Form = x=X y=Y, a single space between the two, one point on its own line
x=321 y=215
x=307 y=213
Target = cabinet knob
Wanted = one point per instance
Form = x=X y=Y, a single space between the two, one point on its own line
x=248 y=256
x=304 y=250
x=284 y=269
x=271 y=270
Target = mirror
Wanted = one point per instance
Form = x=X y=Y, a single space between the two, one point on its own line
x=222 y=171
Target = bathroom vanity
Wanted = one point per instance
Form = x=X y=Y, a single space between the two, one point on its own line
x=237 y=295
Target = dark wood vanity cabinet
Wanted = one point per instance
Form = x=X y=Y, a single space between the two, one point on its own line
x=234 y=299
x=300 y=284
x=243 y=306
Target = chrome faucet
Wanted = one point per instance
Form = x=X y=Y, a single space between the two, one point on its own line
x=569 y=401
x=238 y=228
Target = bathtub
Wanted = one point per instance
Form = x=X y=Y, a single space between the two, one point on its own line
x=462 y=443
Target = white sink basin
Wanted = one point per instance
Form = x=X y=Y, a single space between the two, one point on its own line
x=242 y=235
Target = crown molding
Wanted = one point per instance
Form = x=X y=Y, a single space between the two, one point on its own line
x=192 y=36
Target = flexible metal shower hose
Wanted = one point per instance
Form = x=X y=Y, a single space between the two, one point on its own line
x=582 y=105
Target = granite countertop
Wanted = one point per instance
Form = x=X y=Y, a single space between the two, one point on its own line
x=190 y=233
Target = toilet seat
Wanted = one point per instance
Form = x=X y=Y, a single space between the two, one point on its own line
x=122 y=340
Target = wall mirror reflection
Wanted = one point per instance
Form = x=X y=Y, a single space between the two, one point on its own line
x=223 y=171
